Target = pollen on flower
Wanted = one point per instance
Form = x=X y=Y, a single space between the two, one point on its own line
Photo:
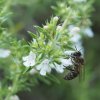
x=29 y=60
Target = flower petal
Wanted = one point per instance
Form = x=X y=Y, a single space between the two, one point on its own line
x=76 y=38
x=88 y=31
x=27 y=64
x=59 y=68
x=29 y=60
x=66 y=62
x=68 y=52
x=42 y=72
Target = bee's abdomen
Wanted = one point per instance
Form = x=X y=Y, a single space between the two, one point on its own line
x=71 y=75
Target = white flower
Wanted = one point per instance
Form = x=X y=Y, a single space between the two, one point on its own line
x=58 y=67
x=68 y=52
x=75 y=38
x=66 y=62
x=14 y=97
x=74 y=32
x=79 y=1
x=80 y=47
x=4 y=53
x=88 y=31
x=73 y=29
x=44 y=67
x=29 y=60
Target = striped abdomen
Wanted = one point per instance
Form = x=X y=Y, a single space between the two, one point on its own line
x=71 y=75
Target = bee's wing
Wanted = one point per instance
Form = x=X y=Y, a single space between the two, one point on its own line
x=82 y=73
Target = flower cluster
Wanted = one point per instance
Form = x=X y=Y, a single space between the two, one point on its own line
x=46 y=65
x=49 y=48
x=75 y=32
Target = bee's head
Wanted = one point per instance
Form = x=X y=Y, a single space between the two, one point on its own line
x=76 y=54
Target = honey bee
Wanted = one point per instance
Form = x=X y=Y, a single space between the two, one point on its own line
x=75 y=69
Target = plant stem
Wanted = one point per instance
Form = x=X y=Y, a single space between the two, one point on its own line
x=66 y=22
x=13 y=88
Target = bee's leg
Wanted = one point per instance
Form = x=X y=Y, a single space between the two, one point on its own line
x=71 y=68
x=75 y=63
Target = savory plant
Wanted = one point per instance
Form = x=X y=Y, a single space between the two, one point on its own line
x=49 y=49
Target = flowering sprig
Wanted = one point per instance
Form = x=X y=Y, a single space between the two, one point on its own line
x=81 y=14
x=48 y=46
x=49 y=49
x=53 y=39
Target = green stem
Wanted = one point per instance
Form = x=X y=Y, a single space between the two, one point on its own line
x=66 y=22
x=13 y=88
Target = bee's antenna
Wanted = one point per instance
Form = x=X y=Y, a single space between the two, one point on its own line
x=76 y=48
x=80 y=49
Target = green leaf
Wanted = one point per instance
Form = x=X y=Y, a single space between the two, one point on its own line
x=27 y=70
x=33 y=35
x=45 y=80
x=53 y=78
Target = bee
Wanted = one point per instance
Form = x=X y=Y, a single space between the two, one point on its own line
x=75 y=69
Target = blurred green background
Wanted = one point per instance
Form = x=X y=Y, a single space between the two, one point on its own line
x=35 y=12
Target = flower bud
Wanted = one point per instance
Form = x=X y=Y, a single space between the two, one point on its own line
x=55 y=18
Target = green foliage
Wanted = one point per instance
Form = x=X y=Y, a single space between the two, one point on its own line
x=49 y=41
